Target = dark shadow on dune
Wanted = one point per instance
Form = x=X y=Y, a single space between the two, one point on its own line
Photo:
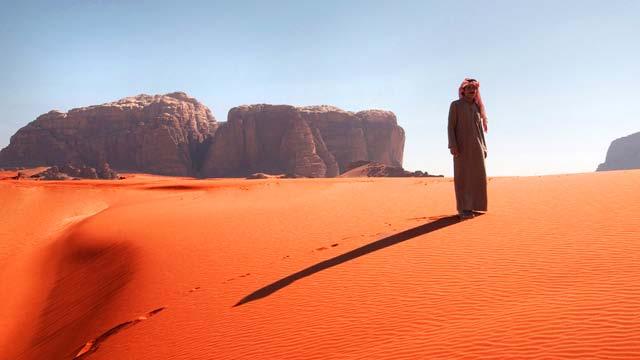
x=86 y=277
x=363 y=250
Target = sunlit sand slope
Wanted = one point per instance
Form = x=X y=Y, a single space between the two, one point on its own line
x=347 y=268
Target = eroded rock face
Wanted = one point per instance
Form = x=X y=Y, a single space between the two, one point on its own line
x=162 y=134
x=174 y=134
x=313 y=141
x=249 y=142
x=623 y=153
x=384 y=138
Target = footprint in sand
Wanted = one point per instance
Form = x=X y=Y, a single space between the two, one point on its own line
x=241 y=276
x=418 y=218
x=326 y=248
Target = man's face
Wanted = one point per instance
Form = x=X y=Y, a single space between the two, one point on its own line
x=470 y=92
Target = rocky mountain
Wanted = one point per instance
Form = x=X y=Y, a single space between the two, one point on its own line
x=174 y=134
x=623 y=153
x=313 y=141
x=162 y=134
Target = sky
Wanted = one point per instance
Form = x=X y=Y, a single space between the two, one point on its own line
x=558 y=78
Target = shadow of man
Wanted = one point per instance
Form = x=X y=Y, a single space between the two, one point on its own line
x=361 y=251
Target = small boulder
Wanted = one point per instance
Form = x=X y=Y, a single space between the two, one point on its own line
x=105 y=172
x=70 y=170
x=257 y=176
x=20 y=176
x=52 y=173
x=88 y=173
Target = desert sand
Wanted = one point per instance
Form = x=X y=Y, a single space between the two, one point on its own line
x=155 y=267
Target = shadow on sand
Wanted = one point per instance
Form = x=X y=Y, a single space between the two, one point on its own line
x=363 y=250
x=85 y=277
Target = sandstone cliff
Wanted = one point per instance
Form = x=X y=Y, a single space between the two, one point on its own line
x=174 y=134
x=313 y=141
x=162 y=134
x=623 y=153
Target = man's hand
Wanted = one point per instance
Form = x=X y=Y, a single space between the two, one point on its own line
x=454 y=151
x=485 y=125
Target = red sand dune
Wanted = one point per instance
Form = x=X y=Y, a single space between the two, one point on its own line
x=345 y=268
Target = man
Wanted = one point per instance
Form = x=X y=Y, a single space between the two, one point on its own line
x=467 y=124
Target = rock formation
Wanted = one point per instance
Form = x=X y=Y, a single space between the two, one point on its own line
x=623 y=153
x=255 y=176
x=69 y=171
x=313 y=141
x=174 y=134
x=163 y=134
x=363 y=168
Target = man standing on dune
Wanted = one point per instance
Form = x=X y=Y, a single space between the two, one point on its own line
x=467 y=125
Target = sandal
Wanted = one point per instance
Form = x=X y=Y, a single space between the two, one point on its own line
x=465 y=214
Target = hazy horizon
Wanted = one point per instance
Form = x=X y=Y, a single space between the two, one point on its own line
x=554 y=76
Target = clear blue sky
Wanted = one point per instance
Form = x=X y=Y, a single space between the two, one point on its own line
x=559 y=78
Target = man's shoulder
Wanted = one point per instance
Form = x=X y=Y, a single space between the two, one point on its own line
x=456 y=102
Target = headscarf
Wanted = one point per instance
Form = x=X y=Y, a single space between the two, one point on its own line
x=477 y=99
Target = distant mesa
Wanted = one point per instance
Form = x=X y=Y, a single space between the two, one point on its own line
x=623 y=154
x=313 y=141
x=174 y=134
x=162 y=134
